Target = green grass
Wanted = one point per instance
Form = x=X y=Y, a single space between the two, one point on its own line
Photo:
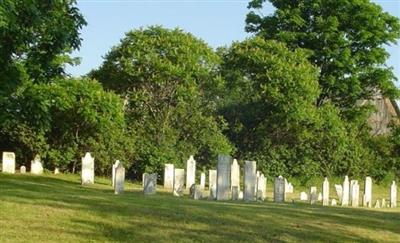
x=56 y=208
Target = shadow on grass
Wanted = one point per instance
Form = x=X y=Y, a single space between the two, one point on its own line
x=101 y=215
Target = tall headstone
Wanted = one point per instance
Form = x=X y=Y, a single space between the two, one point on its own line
x=115 y=165
x=119 y=179
x=22 y=169
x=212 y=183
x=279 y=189
x=36 y=166
x=202 y=181
x=8 y=162
x=250 y=180
x=223 y=177
x=346 y=191
x=261 y=187
x=352 y=182
x=393 y=195
x=169 y=176
x=87 y=174
x=179 y=182
x=383 y=204
x=367 y=202
x=150 y=183
x=190 y=172
x=339 y=192
x=313 y=195
x=235 y=174
x=325 y=192
x=355 y=193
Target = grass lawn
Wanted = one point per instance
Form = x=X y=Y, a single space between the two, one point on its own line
x=56 y=208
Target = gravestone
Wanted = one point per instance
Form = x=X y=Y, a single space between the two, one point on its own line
x=235 y=174
x=202 y=181
x=56 y=171
x=346 y=192
x=119 y=179
x=313 y=195
x=195 y=192
x=289 y=188
x=212 y=183
x=250 y=180
x=22 y=170
x=8 y=165
x=352 y=182
x=279 y=189
x=36 y=166
x=383 y=204
x=303 y=196
x=115 y=165
x=377 y=204
x=367 y=202
x=319 y=198
x=325 y=192
x=261 y=187
x=190 y=172
x=87 y=174
x=150 y=183
x=355 y=193
x=339 y=192
x=393 y=195
x=334 y=203
x=223 y=177
x=169 y=176
x=179 y=182
x=240 y=195
x=235 y=193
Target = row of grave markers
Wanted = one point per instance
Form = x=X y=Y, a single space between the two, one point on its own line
x=8 y=165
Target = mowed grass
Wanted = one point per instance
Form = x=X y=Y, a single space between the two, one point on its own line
x=56 y=208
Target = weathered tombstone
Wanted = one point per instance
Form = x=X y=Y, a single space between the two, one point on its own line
x=289 y=188
x=22 y=170
x=355 y=194
x=261 y=187
x=119 y=179
x=339 y=192
x=393 y=195
x=367 y=202
x=303 y=196
x=179 y=182
x=325 y=192
x=196 y=192
x=334 y=203
x=150 y=184
x=235 y=174
x=279 y=189
x=255 y=188
x=319 y=198
x=346 y=192
x=223 y=177
x=115 y=165
x=352 y=182
x=202 y=181
x=313 y=195
x=190 y=172
x=240 y=195
x=212 y=183
x=36 y=166
x=383 y=204
x=169 y=176
x=87 y=174
x=235 y=193
x=8 y=165
x=250 y=180
x=377 y=204
x=56 y=171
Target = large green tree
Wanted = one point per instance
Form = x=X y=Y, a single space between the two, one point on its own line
x=346 y=39
x=170 y=84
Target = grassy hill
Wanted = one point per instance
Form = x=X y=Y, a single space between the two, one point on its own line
x=56 y=208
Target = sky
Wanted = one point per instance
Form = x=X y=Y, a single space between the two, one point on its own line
x=217 y=22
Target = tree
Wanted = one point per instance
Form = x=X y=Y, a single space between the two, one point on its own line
x=346 y=40
x=170 y=83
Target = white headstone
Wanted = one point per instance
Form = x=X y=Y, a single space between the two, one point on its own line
x=355 y=193
x=179 y=182
x=22 y=170
x=212 y=183
x=240 y=195
x=261 y=187
x=250 y=180
x=367 y=202
x=279 y=189
x=377 y=204
x=319 y=198
x=303 y=196
x=383 y=204
x=352 y=182
x=115 y=165
x=393 y=195
x=190 y=172
x=235 y=174
x=150 y=183
x=313 y=195
x=36 y=166
x=119 y=179
x=235 y=193
x=8 y=162
x=339 y=192
x=223 y=177
x=289 y=188
x=87 y=174
x=56 y=171
x=334 y=203
x=196 y=192
x=169 y=176
x=346 y=192
x=202 y=181
x=325 y=192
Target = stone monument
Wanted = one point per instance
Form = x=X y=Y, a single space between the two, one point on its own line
x=169 y=176
x=190 y=172
x=223 y=177
x=8 y=165
x=87 y=174
x=179 y=182
x=250 y=180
